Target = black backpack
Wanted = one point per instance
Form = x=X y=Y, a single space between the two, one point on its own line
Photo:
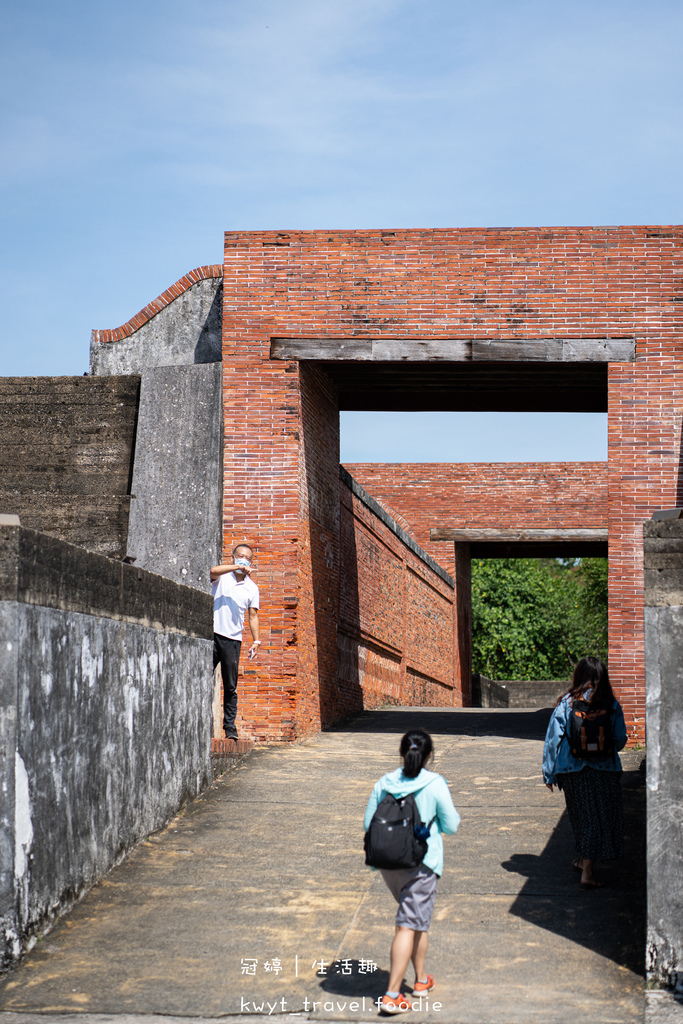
x=397 y=837
x=590 y=731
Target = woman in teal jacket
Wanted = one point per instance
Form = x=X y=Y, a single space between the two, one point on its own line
x=591 y=787
x=414 y=889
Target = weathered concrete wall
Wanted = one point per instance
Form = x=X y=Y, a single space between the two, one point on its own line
x=515 y=693
x=488 y=693
x=186 y=330
x=66 y=447
x=174 y=344
x=105 y=719
x=175 y=525
x=663 y=543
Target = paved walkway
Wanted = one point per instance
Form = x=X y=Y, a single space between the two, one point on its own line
x=267 y=869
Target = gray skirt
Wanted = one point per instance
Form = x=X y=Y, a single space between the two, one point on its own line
x=414 y=889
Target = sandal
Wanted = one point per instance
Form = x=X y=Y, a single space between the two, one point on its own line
x=576 y=864
x=589 y=886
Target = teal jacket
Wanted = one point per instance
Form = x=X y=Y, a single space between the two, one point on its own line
x=432 y=797
x=557 y=756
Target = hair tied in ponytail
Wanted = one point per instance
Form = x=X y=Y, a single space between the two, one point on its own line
x=416 y=749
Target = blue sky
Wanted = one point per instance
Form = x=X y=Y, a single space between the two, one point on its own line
x=134 y=134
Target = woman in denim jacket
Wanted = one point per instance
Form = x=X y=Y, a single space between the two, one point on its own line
x=591 y=788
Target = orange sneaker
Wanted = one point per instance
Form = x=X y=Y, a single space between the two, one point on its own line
x=391 y=1006
x=424 y=986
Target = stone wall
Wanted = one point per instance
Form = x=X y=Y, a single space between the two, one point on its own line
x=105 y=719
x=516 y=693
x=66 y=447
x=175 y=507
x=180 y=327
x=663 y=542
x=174 y=344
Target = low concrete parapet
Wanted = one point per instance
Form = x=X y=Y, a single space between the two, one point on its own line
x=517 y=693
x=663 y=550
x=487 y=693
x=105 y=719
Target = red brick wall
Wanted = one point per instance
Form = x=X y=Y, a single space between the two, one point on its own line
x=377 y=617
x=395 y=619
x=318 y=552
x=504 y=495
x=524 y=283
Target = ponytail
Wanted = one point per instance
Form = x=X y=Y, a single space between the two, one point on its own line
x=416 y=749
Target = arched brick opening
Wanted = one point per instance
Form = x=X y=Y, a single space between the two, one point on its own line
x=565 y=318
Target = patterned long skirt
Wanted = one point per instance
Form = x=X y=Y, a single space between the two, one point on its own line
x=595 y=811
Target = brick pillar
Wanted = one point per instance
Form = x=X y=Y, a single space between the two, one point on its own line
x=644 y=417
x=462 y=614
x=281 y=495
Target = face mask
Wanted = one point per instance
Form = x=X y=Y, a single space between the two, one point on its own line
x=243 y=561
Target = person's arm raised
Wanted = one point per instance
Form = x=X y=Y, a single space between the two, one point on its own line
x=220 y=570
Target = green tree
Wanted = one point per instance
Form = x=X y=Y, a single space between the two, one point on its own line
x=534 y=618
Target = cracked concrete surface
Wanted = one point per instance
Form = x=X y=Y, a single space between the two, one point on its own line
x=268 y=866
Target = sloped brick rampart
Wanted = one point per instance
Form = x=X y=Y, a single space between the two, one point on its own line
x=520 y=284
x=382 y=616
x=395 y=640
x=503 y=495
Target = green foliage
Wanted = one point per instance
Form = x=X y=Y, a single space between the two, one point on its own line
x=534 y=618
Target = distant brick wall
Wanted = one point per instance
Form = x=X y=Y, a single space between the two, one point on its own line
x=377 y=623
x=519 y=283
x=503 y=495
x=395 y=617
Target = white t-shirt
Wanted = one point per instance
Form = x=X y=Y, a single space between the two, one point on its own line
x=231 y=598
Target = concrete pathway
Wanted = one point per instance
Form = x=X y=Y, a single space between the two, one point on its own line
x=245 y=899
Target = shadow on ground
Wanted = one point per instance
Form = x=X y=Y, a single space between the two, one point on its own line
x=512 y=724
x=351 y=978
x=609 y=921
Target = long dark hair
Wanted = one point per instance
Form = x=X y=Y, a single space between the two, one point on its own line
x=416 y=749
x=590 y=674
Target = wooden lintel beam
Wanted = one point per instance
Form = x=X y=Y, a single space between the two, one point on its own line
x=523 y=536
x=456 y=350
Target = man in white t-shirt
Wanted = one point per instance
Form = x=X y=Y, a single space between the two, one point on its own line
x=234 y=594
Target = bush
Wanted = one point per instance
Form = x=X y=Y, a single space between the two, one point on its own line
x=534 y=618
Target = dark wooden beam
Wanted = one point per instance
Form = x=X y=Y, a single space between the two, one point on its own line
x=555 y=350
x=570 y=542
x=528 y=536
x=434 y=350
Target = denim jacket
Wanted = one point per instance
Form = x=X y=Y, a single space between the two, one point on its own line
x=558 y=758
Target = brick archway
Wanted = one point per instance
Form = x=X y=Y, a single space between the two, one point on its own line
x=563 y=318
